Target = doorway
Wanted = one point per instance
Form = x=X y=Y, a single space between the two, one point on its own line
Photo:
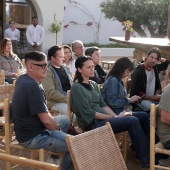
x=20 y=11
x=2 y=18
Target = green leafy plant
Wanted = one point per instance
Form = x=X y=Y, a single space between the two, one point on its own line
x=127 y=25
x=55 y=26
x=145 y=14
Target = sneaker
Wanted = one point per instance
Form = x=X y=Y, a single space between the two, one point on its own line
x=53 y=161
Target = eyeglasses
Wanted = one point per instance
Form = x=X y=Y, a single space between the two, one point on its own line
x=43 y=66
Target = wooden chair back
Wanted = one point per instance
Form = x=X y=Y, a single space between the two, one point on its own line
x=2 y=77
x=28 y=162
x=96 y=150
x=69 y=111
x=155 y=148
x=6 y=91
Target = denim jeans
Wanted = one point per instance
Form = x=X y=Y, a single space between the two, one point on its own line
x=54 y=141
x=138 y=128
x=147 y=103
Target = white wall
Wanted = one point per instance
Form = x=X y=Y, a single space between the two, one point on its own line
x=83 y=32
x=45 y=10
x=119 y=52
x=73 y=12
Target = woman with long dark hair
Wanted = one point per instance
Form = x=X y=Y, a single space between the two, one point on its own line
x=113 y=91
x=92 y=112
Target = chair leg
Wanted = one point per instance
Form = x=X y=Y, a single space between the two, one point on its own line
x=124 y=152
x=34 y=156
x=41 y=155
x=7 y=146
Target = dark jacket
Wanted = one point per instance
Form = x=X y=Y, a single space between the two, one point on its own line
x=139 y=79
x=99 y=75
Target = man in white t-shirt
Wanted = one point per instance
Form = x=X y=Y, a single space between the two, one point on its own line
x=145 y=78
x=35 y=35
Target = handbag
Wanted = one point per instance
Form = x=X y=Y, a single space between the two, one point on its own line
x=71 y=129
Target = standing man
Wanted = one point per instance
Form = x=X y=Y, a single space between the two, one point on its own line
x=14 y=35
x=35 y=35
x=34 y=126
x=145 y=78
x=77 y=48
x=57 y=81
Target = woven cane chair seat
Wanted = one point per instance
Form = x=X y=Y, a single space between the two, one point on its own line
x=96 y=150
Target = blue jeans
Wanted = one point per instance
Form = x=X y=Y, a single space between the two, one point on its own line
x=54 y=141
x=138 y=128
x=147 y=103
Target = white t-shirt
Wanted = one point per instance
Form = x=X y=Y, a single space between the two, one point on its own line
x=150 y=86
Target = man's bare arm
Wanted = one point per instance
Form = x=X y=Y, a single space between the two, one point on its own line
x=165 y=117
x=48 y=121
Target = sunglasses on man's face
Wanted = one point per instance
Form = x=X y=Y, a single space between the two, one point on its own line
x=43 y=66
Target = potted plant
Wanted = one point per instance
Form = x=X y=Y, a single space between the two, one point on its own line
x=128 y=28
x=55 y=26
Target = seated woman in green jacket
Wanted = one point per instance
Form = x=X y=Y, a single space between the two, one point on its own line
x=92 y=112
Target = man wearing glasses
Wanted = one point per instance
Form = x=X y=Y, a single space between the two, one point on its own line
x=77 y=48
x=14 y=35
x=57 y=81
x=34 y=126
